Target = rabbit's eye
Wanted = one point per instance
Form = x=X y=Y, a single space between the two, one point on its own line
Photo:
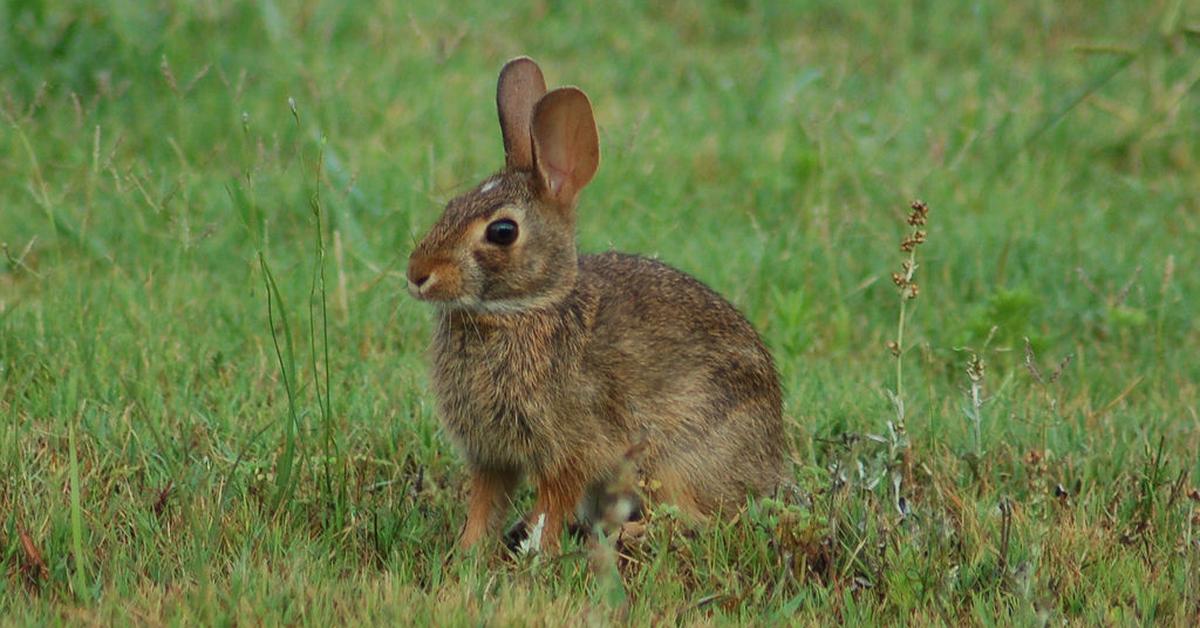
x=502 y=232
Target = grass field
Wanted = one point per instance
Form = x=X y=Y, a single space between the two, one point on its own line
x=212 y=384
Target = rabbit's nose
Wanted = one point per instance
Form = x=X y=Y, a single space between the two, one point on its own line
x=419 y=271
x=422 y=275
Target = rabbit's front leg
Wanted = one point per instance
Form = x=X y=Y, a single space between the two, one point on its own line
x=491 y=492
x=557 y=496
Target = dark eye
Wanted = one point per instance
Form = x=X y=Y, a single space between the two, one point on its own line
x=502 y=232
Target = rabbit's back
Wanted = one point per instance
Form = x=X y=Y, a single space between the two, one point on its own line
x=692 y=375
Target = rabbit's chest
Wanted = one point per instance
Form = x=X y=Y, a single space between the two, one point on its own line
x=498 y=393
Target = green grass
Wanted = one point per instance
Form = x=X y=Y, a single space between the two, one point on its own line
x=212 y=383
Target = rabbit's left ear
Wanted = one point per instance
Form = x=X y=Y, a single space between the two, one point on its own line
x=520 y=87
x=566 y=147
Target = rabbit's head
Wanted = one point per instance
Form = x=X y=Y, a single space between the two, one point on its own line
x=509 y=243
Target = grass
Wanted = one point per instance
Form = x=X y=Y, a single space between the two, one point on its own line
x=212 y=383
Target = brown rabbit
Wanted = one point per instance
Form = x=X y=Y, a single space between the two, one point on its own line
x=553 y=365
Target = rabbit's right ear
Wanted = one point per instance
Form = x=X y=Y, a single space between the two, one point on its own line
x=566 y=147
x=520 y=87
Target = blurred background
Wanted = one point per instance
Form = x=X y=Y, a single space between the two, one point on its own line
x=159 y=159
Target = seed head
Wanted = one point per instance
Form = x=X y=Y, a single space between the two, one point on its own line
x=976 y=368
x=920 y=212
x=164 y=67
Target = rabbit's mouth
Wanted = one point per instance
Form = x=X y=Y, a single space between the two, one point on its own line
x=442 y=298
x=416 y=291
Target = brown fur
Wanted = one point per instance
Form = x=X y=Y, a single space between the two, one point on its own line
x=551 y=365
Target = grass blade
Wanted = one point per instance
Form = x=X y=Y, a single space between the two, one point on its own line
x=79 y=577
x=287 y=369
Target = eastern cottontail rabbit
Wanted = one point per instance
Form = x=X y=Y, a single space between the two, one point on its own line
x=551 y=364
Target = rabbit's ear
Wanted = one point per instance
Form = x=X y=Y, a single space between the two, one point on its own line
x=566 y=148
x=520 y=87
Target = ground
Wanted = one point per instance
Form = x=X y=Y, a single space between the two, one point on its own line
x=214 y=399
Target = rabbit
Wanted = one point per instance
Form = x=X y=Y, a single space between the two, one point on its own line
x=552 y=366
